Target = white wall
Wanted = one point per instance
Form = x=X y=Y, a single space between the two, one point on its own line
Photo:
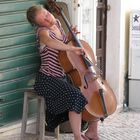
x=114 y=47
x=118 y=44
x=127 y=6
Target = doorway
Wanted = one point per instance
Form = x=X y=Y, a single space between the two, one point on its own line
x=101 y=21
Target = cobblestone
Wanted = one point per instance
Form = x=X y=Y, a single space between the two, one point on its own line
x=119 y=126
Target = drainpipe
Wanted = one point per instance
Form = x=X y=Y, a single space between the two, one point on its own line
x=126 y=93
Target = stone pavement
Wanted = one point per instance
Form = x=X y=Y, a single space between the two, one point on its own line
x=119 y=126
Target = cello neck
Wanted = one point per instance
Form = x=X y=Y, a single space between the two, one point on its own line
x=75 y=39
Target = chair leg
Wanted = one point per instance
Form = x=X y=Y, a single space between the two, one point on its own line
x=42 y=119
x=38 y=117
x=57 y=132
x=24 y=117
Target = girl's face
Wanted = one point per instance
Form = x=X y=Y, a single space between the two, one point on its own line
x=45 y=18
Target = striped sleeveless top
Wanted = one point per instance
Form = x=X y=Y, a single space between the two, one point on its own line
x=49 y=57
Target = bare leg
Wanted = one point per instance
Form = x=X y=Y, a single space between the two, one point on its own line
x=75 y=121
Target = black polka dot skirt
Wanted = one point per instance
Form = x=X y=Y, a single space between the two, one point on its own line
x=60 y=96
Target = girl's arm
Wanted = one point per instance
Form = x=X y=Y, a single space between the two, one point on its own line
x=45 y=39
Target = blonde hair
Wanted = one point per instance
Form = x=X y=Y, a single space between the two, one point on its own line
x=31 y=13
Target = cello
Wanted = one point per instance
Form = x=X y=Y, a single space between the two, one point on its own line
x=83 y=72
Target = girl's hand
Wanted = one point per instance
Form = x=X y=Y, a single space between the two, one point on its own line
x=77 y=50
x=74 y=30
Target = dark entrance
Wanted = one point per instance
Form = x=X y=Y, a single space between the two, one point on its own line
x=101 y=35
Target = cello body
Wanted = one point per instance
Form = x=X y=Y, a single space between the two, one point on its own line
x=89 y=83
